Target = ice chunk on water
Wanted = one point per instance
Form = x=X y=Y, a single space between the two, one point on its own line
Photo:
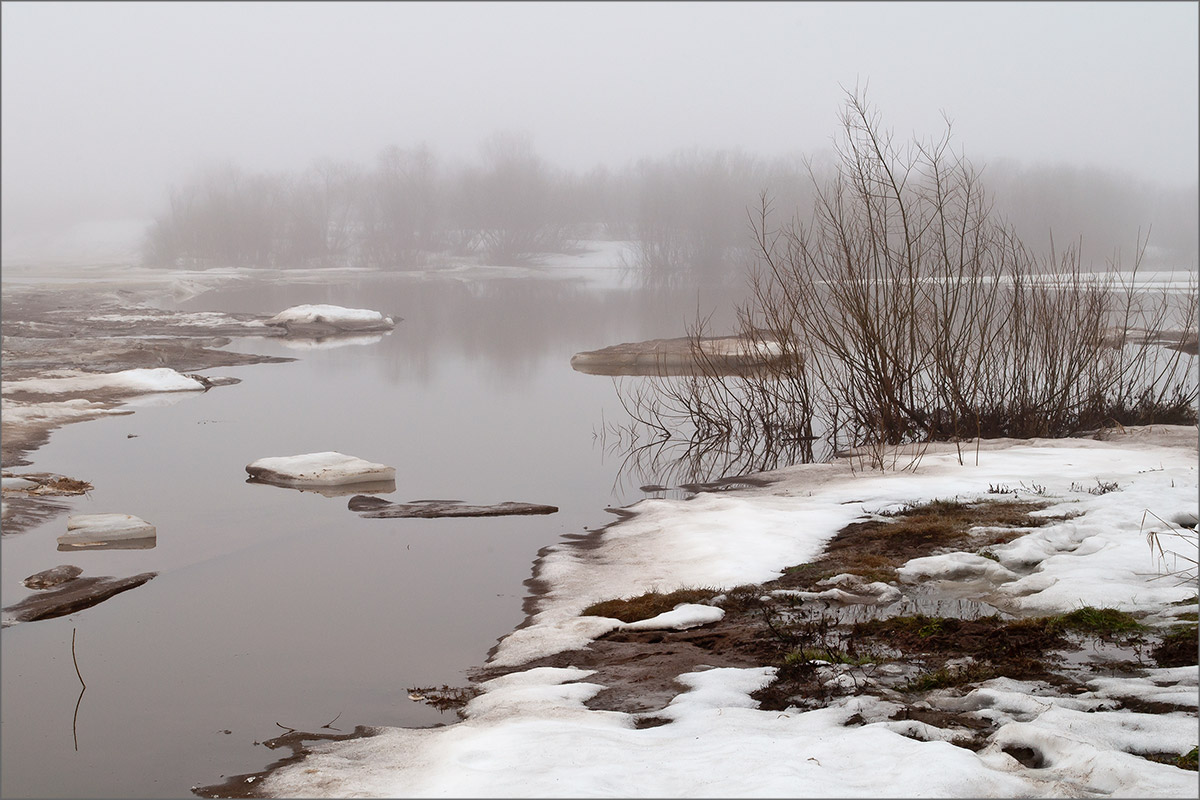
x=330 y=319
x=319 y=469
x=99 y=530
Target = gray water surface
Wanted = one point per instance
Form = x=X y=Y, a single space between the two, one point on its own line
x=274 y=607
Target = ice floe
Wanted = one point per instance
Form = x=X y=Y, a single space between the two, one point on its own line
x=107 y=531
x=70 y=596
x=315 y=320
x=378 y=508
x=325 y=469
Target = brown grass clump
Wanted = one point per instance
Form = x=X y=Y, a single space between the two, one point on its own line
x=873 y=549
x=648 y=605
x=988 y=638
x=64 y=485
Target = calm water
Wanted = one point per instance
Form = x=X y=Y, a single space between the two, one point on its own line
x=278 y=606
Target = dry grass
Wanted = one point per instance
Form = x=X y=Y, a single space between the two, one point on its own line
x=647 y=605
x=875 y=548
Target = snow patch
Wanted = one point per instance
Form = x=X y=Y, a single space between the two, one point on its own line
x=129 y=381
x=680 y=618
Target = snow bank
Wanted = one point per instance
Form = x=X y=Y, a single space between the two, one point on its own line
x=954 y=566
x=530 y=735
x=129 y=381
x=319 y=469
x=330 y=319
x=726 y=539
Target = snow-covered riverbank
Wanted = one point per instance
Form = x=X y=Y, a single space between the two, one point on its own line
x=530 y=733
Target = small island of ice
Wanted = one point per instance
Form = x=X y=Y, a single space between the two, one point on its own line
x=322 y=320
x=319 y=469
x=104 y=531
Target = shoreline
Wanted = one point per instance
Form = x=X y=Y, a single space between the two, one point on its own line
x=782 y=487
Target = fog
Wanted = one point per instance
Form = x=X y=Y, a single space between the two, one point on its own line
x=109 y=107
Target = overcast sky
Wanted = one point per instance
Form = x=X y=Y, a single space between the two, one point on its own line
x=106 y=104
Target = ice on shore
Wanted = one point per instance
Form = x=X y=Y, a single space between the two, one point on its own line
x=327 y=319
x=319 y=469
x=129 y=381
x=103 y=530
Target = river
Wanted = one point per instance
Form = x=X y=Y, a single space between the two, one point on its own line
x=275 y=608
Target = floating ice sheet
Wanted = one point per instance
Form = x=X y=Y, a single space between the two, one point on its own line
x=319 y=470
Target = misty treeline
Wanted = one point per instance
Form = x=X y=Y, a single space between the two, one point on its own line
x=905 y=310
x=685 y=215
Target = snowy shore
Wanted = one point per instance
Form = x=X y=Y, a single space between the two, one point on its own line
x=529 y=733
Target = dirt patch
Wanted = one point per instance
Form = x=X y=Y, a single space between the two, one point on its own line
x=1178 y=647
x=638 y=668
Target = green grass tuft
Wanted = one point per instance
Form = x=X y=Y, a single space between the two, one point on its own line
x=1099 y=621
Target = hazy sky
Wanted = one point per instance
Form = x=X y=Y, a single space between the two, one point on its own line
x=106 y=104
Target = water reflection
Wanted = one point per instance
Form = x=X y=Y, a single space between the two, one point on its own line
x=502 y=327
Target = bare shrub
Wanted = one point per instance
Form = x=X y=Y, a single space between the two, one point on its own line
x=906 y=311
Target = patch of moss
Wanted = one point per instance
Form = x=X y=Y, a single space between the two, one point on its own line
x=946 y=677
x=807 y=655
x=647 y=605
x=1097 y=621
x=1186 y=761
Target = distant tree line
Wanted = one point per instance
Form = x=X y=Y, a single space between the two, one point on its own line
x=685 y=215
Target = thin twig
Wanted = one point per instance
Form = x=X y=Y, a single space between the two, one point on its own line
x=76 y=660
x=75 y=718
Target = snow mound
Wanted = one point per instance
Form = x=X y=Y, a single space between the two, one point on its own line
x=319 y=469
x=680 y=618
x=954 y=566
x=91 y=530
x=327 y=319
x=129 y=381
